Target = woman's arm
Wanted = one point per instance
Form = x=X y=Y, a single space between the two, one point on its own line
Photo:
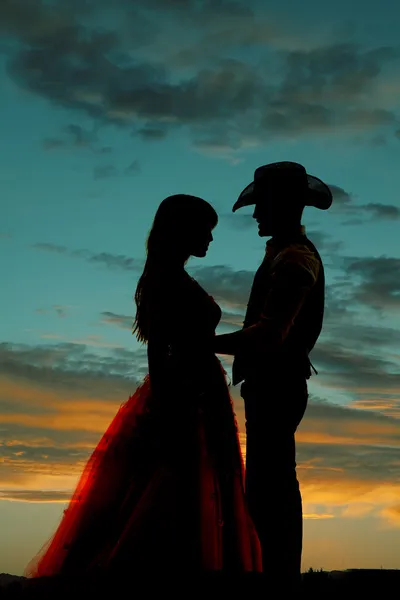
x=228 y=343
x=262 y=337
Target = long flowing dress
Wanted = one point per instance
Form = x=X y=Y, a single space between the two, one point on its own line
x=164 y=488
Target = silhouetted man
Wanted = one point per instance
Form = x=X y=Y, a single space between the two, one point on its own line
x=283 y=321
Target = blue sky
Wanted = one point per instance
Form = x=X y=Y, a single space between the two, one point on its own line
x=107 y=107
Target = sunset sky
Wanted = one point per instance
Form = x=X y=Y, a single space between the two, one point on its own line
x=106 y=107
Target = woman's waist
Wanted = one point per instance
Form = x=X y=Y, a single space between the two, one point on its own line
x=189 y=353
x=196 y=371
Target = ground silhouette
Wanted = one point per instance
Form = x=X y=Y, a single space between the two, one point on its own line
x=368 y=583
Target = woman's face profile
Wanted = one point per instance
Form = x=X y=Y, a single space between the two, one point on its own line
x=199 y=238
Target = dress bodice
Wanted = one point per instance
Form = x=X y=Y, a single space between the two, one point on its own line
x=184 y=320
x=191 y=318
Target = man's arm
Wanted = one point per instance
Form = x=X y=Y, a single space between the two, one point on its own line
x=293 y=277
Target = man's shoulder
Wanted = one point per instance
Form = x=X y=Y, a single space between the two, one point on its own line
x=300 y=259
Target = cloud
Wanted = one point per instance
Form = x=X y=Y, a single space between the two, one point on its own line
x=341 y=325
x=73 y=365
x=347 y=458
x=122 y=321
x=221 y=145
x=327 y=87
x=356 y=356
x=53 y=143
x=35 y=496
x=56 y=248
x=111 y=261
x=340 y=196
x=355 y=370
x=392 y=513
x=317 y=516
x=286 y=86
x=92 y=340
x=230 y=318
x=56 y=400
x=73 y=137
x=326 y=243
x=55 y=403
x=133 y=168
x=347 y=461
x=114 y=261
x=379 y=140
x=343 y=202
x=382 y=211
x=378 y=281
x=104 y=172
x=152 y=133
x=107 y=171
x=60 y=310
x=80 y=137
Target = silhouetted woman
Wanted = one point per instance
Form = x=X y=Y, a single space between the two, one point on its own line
x=163 y=490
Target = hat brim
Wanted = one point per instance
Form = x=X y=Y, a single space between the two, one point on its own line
x=319 y=195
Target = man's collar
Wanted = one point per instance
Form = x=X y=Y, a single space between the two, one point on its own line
x=287 y=237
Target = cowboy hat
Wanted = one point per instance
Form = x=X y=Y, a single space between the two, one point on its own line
x=285 y=174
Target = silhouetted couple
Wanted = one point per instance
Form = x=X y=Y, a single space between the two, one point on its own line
x=165 y=488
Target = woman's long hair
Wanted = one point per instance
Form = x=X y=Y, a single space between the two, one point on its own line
x=167 y=244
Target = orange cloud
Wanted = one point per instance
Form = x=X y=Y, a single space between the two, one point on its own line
x=71 y=420
x=353 y=439
x=315 y=516
x=60 y=409
x=35 y=496
x=392 y=514
x=343 y=491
